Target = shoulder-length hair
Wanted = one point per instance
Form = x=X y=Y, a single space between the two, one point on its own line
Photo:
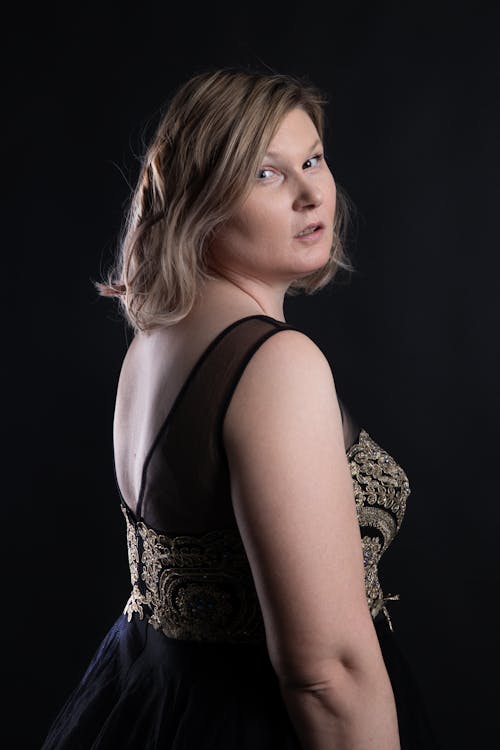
x=200 y=163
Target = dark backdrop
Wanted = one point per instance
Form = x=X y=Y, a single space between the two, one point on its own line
x=413 y=125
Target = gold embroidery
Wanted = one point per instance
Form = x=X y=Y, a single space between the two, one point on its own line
x=381 y=489
x=378 y=478
x=193 y=587
x=373 y=590
x=201 y=587
x=379 y=519
x=135 y=600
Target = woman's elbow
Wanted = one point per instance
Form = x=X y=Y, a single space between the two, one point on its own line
x=336 y=678
x=315 y=675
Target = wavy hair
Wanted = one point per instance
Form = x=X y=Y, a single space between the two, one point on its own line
x=200 y=164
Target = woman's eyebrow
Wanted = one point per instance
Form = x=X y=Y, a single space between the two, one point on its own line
x=276 y=154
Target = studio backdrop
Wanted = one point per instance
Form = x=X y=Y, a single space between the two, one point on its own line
x=411 y=335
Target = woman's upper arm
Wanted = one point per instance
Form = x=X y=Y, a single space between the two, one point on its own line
x=293 y=498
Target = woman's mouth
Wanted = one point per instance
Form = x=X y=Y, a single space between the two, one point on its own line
x=311 y=233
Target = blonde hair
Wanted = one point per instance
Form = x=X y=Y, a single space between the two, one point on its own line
x=200 y=163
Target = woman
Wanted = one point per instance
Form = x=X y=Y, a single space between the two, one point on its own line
x=256 y=619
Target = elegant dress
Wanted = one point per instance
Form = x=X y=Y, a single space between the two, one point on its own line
x=185 y=667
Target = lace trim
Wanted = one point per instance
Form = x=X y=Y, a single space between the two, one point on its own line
x=381 y=489
x=193 y=588
x=201 y=587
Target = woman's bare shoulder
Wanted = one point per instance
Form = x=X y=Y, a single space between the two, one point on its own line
x=287 y=368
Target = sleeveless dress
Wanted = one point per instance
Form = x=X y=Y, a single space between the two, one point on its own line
x=185 y=666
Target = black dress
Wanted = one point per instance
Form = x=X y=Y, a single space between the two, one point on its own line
x=185 y=667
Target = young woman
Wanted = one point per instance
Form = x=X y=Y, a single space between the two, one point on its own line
x=256 y=509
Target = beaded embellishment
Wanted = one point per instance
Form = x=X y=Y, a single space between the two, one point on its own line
x=201 y=587
x=381 y=489
x=193 y=587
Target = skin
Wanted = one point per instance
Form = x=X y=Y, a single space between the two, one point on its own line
x=291 y=485
x=253 y=259
x=257 y=250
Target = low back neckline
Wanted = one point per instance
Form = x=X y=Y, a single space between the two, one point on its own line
x=179 y=397
x=200 y=361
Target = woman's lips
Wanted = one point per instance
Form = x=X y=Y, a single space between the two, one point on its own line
x=311 y=237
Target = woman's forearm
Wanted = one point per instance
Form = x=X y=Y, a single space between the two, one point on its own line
x=345 y=711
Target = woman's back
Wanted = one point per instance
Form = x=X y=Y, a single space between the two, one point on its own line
x=181 y=369
x=155 y=369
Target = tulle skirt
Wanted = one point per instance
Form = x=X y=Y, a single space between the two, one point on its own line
x=145 y=691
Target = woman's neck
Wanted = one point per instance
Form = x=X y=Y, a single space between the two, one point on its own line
x=242 y=295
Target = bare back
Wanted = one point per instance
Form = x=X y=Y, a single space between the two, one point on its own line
x=155 y=377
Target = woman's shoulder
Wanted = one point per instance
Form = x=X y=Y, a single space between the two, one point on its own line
x=292 y=346
x=288 y=370
x=288 y=354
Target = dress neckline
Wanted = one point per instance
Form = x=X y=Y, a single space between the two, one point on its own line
x=200 y=361
x=193 y=371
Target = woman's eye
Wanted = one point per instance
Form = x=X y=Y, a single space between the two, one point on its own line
x=264 y=173
x=313 y=161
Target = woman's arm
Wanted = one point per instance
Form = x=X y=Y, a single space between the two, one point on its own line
x=293 y=499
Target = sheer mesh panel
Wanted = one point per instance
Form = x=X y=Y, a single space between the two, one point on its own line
x=185 y=485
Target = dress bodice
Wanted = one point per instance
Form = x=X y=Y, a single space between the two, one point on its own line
x=198 y=585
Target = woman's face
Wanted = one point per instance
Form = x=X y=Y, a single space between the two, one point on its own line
x=293 y=190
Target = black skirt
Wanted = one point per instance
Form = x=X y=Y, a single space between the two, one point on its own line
x=143 y=690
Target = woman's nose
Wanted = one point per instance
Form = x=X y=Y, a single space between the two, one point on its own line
x=308 y=193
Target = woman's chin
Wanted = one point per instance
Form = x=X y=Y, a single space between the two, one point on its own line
x=312 y=262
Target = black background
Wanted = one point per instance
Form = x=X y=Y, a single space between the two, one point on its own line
x=413 y=125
